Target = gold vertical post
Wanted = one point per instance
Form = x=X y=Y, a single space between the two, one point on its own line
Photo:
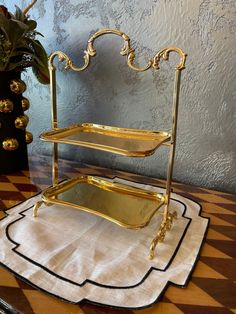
x=168 y=217
x=54 y=122
x=173 y=139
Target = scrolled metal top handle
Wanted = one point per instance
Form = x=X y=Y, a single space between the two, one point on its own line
x=126 y=50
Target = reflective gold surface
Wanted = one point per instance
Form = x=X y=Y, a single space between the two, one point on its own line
x=17 y=86
x=127 y=142
x=28 y=137
x=127 y=51
x=21 y=122
x=6 y=105
x=10 y=144
x=126 y=206
x=25 y=103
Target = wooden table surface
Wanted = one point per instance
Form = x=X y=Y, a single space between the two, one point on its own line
x=212 y=288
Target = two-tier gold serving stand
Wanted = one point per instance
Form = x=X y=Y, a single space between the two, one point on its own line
x=124 y=205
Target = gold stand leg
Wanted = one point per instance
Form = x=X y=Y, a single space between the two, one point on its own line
x=167 y=216
x=36 y=207
x=166 y=224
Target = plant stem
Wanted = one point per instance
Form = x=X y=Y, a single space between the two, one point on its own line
x=26 y=10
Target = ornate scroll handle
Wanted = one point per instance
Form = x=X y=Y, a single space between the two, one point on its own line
x=126 y=50
x=164 y=53
x=68 y=62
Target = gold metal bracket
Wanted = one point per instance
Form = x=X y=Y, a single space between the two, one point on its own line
x=164 y=227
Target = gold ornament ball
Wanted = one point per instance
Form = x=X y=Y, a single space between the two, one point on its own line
x=21 y=122
x=10 y=144
x=25 y=104
x=6 y=105
x=28 y=137
x=17 y=86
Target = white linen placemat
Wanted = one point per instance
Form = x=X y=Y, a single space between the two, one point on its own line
x=78 y=256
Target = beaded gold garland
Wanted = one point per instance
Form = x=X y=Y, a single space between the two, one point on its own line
x=17 y=86
x=25 y=103
x=21 y=122
x=28 y=137
x=6 y=105
x=10 y=144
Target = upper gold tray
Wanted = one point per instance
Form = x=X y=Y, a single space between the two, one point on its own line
x=124 y=205
x=126 y=142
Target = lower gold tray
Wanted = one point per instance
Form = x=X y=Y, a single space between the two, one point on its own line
x=124 y=205
x=127 y=142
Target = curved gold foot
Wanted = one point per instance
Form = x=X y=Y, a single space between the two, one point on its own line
x=170 y=219
x=153 y=246
x=36 y=207
x=152 y=249
x=159 y=238
x=165 y=225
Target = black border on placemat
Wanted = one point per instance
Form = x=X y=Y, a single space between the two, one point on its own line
x=107 y=305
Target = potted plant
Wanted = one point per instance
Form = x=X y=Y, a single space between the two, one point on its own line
x=19 y=50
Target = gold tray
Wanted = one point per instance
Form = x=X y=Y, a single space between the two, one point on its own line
x=127 y=142
x=124 y=205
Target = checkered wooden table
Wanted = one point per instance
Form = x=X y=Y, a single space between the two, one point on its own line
x=212 y=289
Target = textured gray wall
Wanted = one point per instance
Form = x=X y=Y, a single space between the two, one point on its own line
x=110 y=93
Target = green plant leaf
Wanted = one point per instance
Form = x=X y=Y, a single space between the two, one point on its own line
x=40 y=64
x=18 y=65
x=40 y=52
x=4 y=25
x=31 y=25
x=18 y=47
x=19 y=15
x=21 y=52
x=12 y=29
x=38 y=33
x=41 y=75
